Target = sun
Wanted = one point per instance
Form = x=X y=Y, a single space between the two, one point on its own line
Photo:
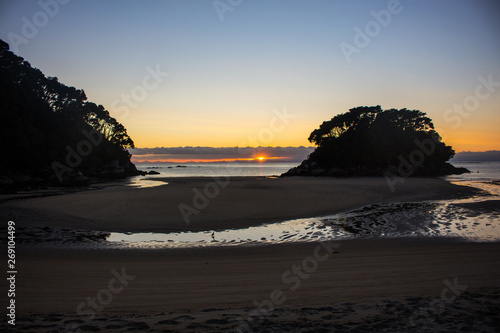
x=260 y=158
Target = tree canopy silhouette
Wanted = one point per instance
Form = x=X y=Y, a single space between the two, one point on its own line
x=371 y=141
x=43 y=120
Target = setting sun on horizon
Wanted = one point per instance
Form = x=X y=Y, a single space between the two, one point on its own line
x=260 y=159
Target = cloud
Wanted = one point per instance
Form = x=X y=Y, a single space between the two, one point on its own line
x=212 y=154
x=274 y=154
x=477 y=156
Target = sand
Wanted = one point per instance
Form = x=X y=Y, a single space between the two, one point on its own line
x=230 y=203
x=218 y=288
x=364 y=285
x=234 y=276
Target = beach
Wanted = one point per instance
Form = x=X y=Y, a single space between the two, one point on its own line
x=234 y=202
x=375 y=284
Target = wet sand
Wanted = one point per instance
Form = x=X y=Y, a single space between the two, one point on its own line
x=230 y=203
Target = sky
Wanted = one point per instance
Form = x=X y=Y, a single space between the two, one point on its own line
x=238 y=73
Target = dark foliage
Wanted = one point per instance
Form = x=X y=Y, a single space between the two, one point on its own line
x=41 y=120
x=371 y=141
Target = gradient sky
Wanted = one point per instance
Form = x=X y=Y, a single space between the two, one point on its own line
x=228 y=78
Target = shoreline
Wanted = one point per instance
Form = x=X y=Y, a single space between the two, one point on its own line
x=182 y=204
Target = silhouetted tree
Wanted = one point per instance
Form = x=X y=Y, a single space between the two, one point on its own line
x=40 y=117
x=370 y=141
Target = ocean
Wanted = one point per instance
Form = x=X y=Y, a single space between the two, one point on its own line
x=481 y=172
x=250 y=169
x=218 y=169
x=484 y=175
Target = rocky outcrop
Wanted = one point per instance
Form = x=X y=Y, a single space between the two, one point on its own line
x=308 y=168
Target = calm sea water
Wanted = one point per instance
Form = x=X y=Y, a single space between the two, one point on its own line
x=483 y=175
x=481 y=172
x=259 y=169
x=218 y=169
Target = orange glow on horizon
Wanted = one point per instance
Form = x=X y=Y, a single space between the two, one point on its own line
x=211 y=160
x=472 y=140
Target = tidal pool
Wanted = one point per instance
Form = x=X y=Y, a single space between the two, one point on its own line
x=474 y=219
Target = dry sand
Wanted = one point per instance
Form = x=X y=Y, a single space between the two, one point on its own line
x=226 y=277
x=212 y=289
x=384 y=282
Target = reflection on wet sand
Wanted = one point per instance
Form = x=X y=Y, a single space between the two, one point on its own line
x=474 y=219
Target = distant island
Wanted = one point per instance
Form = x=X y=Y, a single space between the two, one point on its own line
x=369 y=141
x=51 y=135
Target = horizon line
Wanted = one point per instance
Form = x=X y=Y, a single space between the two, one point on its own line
x=254 y=147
